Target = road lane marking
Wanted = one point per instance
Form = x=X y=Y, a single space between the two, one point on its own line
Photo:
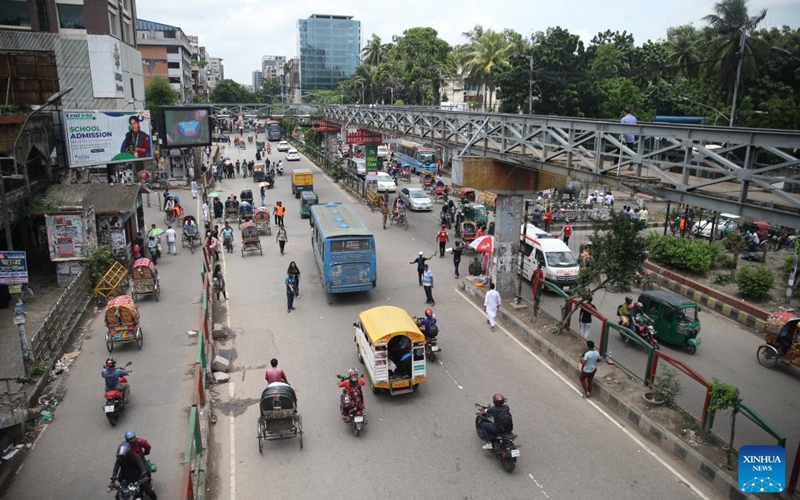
x=449 y=375
x=539 y=485
x=611 y=419
x=233 y=446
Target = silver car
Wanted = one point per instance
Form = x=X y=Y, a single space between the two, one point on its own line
x=416 y=199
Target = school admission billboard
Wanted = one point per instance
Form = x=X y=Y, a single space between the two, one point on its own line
x=103 y=137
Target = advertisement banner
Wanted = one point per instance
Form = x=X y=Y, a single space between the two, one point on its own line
x=70 y=235
x=363 y=137
x=103 y=137
x=187 y=126
x=372 y=162
x=13 y=268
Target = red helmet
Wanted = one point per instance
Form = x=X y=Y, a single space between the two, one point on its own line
x=111 y=363
x=428 y=313
x=498 y=399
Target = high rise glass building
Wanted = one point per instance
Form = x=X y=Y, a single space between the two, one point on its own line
x=330 y=50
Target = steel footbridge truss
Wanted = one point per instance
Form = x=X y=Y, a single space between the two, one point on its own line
x=276 y=110
x=750 y=172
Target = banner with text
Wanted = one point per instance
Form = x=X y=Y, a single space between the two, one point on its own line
x=13 y=268
x=103 y=137
x=362 y=137
x=372 y=162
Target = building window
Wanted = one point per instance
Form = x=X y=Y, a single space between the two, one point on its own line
x=71 y=16
x=113 y=24
x=133 y=90
x=173 y=65
x=172 y=50
x=126 y=5
x=15 y=13
x=175 y=79
x=43 y=15
x=126 y=32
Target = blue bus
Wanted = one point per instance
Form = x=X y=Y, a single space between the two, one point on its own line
x=420 y=158
x=274 y=132
x=344 y=249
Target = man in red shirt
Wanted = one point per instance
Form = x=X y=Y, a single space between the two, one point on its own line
x=547 y=218
x=139 y=447
x=442 y=237
x=566 y=231
x=352 y=388
x=275 y=374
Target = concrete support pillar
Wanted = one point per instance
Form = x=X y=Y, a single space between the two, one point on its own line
x=505 y=258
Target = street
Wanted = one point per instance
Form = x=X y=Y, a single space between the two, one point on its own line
x=727 y=352
x=420 y=445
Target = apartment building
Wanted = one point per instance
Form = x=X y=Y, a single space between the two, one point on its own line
x=166 y=52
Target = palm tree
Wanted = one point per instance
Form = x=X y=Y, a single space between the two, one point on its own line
x=731 y=21
x=485 y=57
x=684 y=50
x=366 y=75
x=373 y=51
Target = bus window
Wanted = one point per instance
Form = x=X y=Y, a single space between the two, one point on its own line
x=350 y=245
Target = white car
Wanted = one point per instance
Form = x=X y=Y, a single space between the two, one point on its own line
x=725 y=223
x=386 y=183
x=283 y=146
x=416 y=199
x=292 y=155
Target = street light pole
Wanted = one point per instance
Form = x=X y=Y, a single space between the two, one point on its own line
x=738 y=76
x=715 y=110
x=530 y=86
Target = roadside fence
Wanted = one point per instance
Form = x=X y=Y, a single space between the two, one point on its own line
x=54 y=330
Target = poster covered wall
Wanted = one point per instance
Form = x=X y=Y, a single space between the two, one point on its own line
x=102 y=137
x=69 y=235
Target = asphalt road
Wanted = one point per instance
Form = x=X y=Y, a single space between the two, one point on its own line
x=420 y=445
x=727 y=352
x=74 y=456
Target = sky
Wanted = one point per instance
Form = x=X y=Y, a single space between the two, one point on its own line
x=241 y=31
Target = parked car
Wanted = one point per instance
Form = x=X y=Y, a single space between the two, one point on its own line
x=383 y=152
x=386 y=183
x=726 y=223
x=220 y=138
x=416 y=199
x=283 y=146
x=292 y=155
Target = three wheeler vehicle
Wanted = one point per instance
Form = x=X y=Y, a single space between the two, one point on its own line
x=674 y=318
x=782 y=341
x=279 y=418
x=476 y=212
x=122 y=322
x=307 y=199
x=145 y=279
x=246 y=195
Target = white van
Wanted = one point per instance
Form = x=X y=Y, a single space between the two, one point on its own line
x=560 y=266
x=358 y=166
x=383 y=152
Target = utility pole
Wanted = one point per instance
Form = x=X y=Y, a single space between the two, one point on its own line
x=19 y=320
x=530 y=86
x=738 y=76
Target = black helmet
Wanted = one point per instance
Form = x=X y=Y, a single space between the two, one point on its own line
x=111 y=363
x=498 y=399
x=628 y=299
x=124 y=450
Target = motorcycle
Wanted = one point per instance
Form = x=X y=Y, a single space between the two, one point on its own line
x=503 y=446
x=115 y=403
x=431 y=342
x=647 y=333
x=129 y=491
x=353 y=401
x=444 y=218
x=280 y=169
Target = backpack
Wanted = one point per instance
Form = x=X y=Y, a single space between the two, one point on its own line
x=503 y=420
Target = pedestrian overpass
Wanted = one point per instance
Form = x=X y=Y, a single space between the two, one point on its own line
x=750 y=172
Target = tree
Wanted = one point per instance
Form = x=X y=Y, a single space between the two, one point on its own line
x=684 y=50
x=229 y=91
x=159 y=93
x=372 y=53
x=618 y=250
x=723 y=397
x=270 y=90
x=619 y=94
x=412 y=64
x=486 y=58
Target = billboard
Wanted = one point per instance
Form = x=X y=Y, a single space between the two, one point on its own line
x=361 y=137
x=69 y=235
x=187 y=126
x=102 y=137
x=13 y=268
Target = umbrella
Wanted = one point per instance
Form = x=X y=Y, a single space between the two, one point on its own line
x=265 y=184
x=155 y=232
x=213 y=194
x=483 y=243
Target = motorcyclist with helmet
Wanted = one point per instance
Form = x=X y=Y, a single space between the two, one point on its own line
x=624 y=311
x=352 y=386
x=111 y=373
x=427 y=325
x=638 y=318
x=501 y=420
x=131 y=468
x=139 y=446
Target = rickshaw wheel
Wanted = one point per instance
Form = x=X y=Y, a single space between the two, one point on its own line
x=191 y=244
x=405 y=223
x=690 y=348
x=139 y=337
x=767 y=356
x=260 y=250
x=243 y=250
x=158 y=293
x=259 y=435
x=300 y=430
x=109 y=343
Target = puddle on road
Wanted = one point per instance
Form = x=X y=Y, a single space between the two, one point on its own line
x=236 y=407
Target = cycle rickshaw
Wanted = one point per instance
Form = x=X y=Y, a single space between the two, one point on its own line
x=279 y=418
x=782 y=341
x=122 y=322
x=245 y=213
x=250 y=240
x=189 y=232
x=231 y=210
x=145 y=279
x=261 y=218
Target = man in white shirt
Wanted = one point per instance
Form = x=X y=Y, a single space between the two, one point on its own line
x=171 y=239
x=491 y=303
x=609 y=200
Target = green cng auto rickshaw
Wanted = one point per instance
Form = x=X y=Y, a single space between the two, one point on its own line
x=674 y=318
x=307 y=198
x=477 y=213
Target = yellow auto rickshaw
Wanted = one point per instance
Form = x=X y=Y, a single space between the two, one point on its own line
x=392 y=349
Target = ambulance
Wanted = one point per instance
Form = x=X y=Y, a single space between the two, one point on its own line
x=560 y=266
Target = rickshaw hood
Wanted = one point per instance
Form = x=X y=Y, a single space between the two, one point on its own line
x=381 y=324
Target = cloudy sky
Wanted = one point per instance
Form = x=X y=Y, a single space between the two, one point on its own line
x=241 y=31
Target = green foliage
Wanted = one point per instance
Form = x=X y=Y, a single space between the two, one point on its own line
x=724 y=396
x=270 y=90
x=682 y=254
x=786 y=267
x=37 y=370
x=734 y=242
x=668 y=386
x=159 y=93
x=98 y=260
x=313 y=138
x=229 y=91
x=721 y=279
x=755 y=282
x=724 y=261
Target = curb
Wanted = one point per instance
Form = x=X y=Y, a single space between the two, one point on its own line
x=630 y=416
x=730 y=307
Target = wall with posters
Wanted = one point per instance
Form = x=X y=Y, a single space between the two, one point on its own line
x=111 y=231
x=70 y=234
x=103 y=137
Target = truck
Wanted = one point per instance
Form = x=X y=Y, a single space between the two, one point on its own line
x=302 y=180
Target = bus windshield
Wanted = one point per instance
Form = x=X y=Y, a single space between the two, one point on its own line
x=352 y=245
x=427 y=156
x=560 y=259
